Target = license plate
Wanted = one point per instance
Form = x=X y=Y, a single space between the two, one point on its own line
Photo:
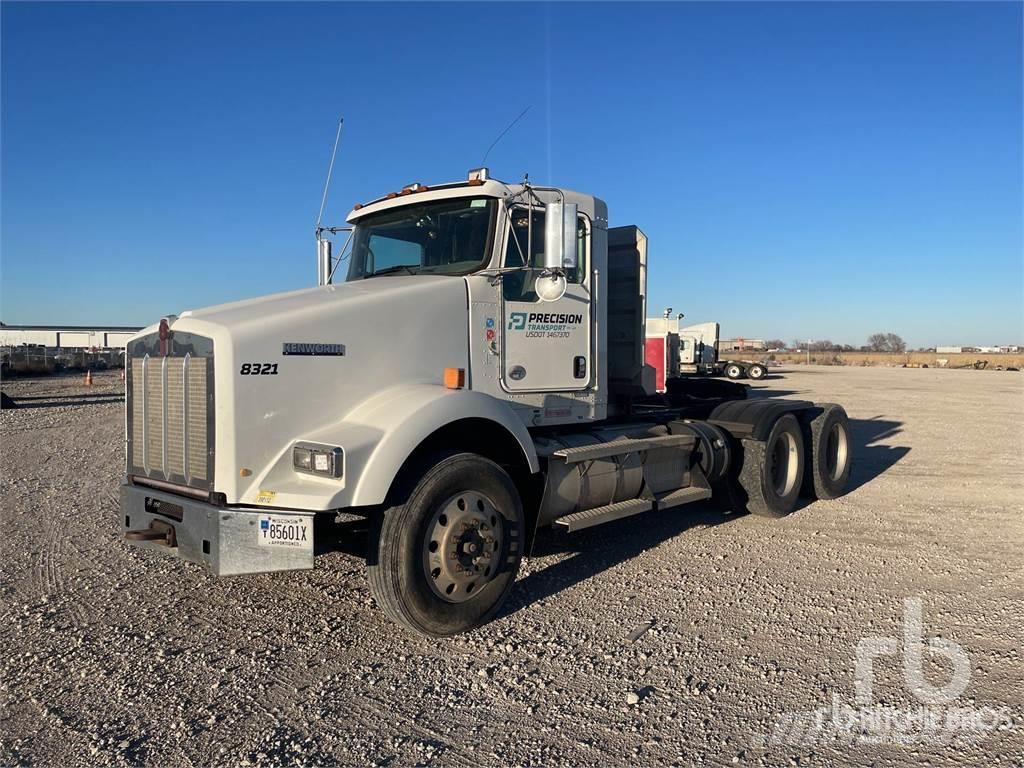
x=285 y=531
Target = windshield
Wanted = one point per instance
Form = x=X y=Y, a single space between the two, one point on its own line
x=442 y=237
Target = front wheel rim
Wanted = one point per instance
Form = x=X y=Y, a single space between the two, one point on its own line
x=463 y=546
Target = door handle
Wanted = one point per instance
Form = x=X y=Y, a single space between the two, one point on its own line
x=579 y=367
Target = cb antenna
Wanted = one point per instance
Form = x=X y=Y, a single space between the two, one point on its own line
x=502 y=134
x=330 y=171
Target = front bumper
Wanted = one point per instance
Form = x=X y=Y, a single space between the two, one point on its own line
x=228 y=542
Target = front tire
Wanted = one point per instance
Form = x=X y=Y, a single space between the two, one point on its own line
x=446 y=558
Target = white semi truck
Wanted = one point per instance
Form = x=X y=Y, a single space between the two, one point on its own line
x=693 y=351
x=478 y=375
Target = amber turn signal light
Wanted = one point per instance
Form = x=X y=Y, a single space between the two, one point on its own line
x=455 y=378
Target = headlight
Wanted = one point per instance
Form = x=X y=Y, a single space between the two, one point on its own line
x=302 y=458
x=322 y=460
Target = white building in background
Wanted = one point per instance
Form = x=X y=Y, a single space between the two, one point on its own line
x=1011 y=349
x=741 y=344
x=67 y=336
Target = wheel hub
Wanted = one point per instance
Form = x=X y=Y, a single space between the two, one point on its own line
x=782 y=460
x=836 y=451
x=462 y=546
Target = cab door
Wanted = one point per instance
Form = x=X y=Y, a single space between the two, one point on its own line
x=687 y=349
x=547 y=344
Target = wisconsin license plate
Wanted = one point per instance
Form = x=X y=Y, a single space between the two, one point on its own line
x=285 y=531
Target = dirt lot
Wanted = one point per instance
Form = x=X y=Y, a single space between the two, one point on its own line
x=915 y=359
x=717 y=625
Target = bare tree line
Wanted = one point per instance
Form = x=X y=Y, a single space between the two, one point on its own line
x=877 y=342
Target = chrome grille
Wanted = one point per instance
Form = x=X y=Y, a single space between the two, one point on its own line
x=170 y=410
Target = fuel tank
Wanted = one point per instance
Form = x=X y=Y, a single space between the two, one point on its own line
x=577 y=487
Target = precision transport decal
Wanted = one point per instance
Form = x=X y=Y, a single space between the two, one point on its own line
x=544 y=324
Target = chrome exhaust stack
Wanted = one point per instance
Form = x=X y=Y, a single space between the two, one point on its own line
x=323 y=261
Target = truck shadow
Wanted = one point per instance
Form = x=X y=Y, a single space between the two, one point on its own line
x=757 y=392
x=869 y=459
x=594 y=550
x=754 y=393
x=597 y=549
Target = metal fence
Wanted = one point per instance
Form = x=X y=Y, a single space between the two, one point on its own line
x=34 y=361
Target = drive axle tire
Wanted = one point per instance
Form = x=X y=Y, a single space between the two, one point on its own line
x=757 y=371
x=445 y=559
x=772 y=472
x=734 y=371
x=829 y=452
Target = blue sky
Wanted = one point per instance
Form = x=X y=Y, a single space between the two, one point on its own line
x=816 y=170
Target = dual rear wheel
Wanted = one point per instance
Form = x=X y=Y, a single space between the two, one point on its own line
x=755 y=371
x=827 y=429
x=807 y=456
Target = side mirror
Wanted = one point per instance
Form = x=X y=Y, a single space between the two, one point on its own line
x=560 y=236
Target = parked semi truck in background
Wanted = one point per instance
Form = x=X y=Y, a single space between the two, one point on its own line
x=478 y=375
x=692 y=351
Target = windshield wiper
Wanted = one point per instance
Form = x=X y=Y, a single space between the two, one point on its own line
x=392 y=270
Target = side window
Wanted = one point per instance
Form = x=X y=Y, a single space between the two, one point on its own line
x=518 y=286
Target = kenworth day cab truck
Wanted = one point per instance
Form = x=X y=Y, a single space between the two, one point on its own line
x=478 y=375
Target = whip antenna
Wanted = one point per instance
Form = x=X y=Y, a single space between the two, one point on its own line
x=502 y=134
x=330 y=170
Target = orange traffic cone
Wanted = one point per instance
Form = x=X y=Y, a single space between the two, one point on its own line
x=88 y=378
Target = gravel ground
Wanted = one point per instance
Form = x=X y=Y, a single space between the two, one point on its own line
x=678 y=637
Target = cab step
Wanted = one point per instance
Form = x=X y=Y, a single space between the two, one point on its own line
x=622 y=447
x=683 y=496
x=579 y=520
x=698 y=490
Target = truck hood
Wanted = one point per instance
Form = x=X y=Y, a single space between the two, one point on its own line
x=293 y=305
x=357 y=339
